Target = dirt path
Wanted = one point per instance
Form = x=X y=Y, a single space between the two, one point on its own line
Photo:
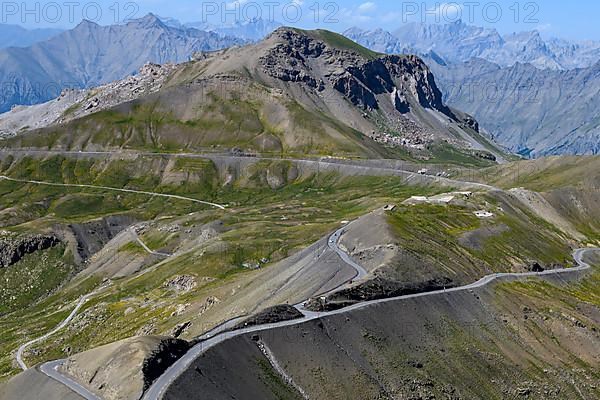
x=170 y=196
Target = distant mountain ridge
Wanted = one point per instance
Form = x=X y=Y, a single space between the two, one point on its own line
x=17 y=36
x=532 y=112
x=459 y=42
x=90 y=54
x=253 y=29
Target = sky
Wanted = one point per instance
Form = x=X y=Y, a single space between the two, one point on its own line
x=576 y=20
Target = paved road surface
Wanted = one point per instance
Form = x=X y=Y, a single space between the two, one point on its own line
x=51 y=370
x=333 y=245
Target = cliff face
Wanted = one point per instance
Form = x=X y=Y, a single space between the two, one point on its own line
x=12 y=251
x=303 y=58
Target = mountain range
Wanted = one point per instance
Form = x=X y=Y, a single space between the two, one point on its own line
x=308 y=92
x=535 y=97
x=90 y=54
x=530 y=111
x=475 y=59
x=254 y=29
x=459 y=42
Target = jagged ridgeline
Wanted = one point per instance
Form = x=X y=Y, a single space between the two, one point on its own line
x=297 y=92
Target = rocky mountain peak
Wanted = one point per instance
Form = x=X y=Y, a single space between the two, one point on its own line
x=296 y=43
x=322 y=60
x=148 y=21
x=86 y=25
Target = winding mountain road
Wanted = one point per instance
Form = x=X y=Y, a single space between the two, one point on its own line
x=333 y=245
x=158 y=388
x=217 y=336
x=145 y=247
x=64 y=323
x=51 y=370
x=85 y=298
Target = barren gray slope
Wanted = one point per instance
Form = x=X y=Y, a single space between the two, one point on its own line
x=330 y=348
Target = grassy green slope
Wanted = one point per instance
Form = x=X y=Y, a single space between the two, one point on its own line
x=260 y=223
x=571 y=185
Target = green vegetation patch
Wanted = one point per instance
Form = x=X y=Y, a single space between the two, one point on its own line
x=34 y=277
x=280 y=389
x=451 y=240
x=443 y=153
x=341 y=42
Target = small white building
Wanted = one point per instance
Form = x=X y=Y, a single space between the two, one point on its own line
x=483 y=214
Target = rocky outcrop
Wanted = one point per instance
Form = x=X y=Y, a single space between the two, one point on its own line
x=301 y=57
x=92 y=236
x=13 y=250
x=124 y=370
x=75 y=103
x=164 y=355
x=399 y=103
x=279 y=313
x=377 y=288
x=181 y=283
x=287 y=61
